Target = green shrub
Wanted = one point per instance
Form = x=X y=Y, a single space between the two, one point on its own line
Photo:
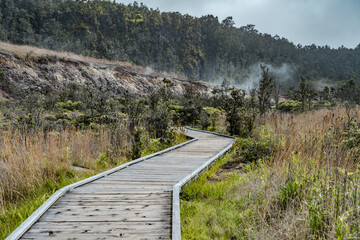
x=63 y=116
x=289 y=192
x=49 y=117
x=259 y=148
x=137 y=143
x=83 y=120
x=213 y=115
x=204 y=120
x=352 y=137
x=69 y=105
x=249 y=150
x=290 y=106
x=106 y=160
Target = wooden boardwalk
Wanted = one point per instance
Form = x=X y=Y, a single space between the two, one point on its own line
x=133 y=203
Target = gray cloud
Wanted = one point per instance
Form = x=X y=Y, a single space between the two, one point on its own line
x=323 y=22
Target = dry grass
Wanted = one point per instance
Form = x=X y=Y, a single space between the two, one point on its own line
x=24 y=51
x=313 y=135
x=29 y=161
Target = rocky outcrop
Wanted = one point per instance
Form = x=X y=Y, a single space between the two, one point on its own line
x=47 y=73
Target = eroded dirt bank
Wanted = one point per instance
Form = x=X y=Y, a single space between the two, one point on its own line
x=47 y=73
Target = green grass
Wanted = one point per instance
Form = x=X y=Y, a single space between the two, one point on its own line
x=211 y=207
x=155 y=145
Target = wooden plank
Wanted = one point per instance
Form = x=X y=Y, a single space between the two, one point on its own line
x=141 y=196
x=126 y=186
x=145 y=217
x=138 y=207
x=114 y=190
x=135 y=183
x=98 y=226
x=115 y=203
x=143 y=180
x=70 y=213
x=153 y=170
x=148 y=236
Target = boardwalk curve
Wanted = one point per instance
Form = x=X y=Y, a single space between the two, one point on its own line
x=137 y=200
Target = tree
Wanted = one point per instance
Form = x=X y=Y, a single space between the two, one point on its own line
x=228 y=22
x=265 y=89
x=349 y=92
x=234 y=106
x=304 y=93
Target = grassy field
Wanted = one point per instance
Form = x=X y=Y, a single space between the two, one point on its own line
x=296 y=178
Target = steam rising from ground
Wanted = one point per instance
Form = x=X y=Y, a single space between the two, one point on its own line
x=282 y=75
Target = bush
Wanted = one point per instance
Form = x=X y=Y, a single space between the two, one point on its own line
x=290 y=106
x=50 y=117
x=83 y=120
x=261 y=147
x=159 y=121
x=213 y=114
x=352 y=137
x=249 y=150
x=204 y=120
x=68 y=106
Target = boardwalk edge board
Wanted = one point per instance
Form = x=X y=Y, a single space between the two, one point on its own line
x=203 y=131
x=176 y=222
x=33 y=218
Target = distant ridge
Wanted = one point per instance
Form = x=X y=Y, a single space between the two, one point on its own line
x=199 y=48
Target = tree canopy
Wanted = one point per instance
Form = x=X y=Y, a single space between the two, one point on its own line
x=200 y=48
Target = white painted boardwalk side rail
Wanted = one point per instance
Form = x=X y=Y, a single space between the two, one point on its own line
x=132 y=201
x=176 y=220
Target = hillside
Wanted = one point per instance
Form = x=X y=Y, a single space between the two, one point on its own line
x=200 y=48
x=26 y=69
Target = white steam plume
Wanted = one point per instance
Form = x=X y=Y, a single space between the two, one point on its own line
x=252 y=75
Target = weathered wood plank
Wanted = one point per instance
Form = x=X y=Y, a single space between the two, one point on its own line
x=142 y=196
x=148 y=236
x=101 y=208
x=106 y=218
x=99 y=226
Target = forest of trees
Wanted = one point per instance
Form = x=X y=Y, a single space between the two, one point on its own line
x=201 y=48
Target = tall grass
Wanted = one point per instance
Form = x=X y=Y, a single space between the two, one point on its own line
x=303 y=183
x=32 y=159
x=319 y=135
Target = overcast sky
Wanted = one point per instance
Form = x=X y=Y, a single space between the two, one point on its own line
x=323 y=22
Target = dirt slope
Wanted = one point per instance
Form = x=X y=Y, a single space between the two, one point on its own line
x=30 y=71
